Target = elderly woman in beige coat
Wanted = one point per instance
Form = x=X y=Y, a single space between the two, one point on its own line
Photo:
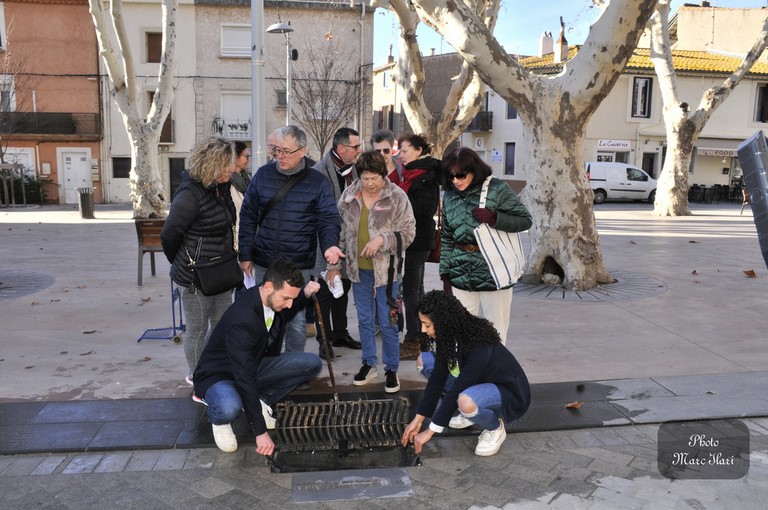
x=372 y=209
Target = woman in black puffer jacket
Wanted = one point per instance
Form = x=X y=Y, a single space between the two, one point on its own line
x=200 y=225
x=421 y=182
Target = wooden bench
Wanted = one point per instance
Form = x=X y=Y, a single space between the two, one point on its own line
x=148 y=232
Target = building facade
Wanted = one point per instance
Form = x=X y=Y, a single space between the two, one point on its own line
x=50 y=116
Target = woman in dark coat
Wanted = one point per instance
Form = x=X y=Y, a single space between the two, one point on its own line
x=200 y=225
x=421 y=182
x=490 y=388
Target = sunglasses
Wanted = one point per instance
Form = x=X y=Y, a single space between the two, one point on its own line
x=459 y=175
x=384 y=151
x=353 y=147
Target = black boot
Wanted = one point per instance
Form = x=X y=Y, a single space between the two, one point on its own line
x=321 y=350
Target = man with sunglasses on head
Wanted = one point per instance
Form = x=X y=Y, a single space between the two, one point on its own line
x=338 y=167
x=288 y=210
x=383 y=142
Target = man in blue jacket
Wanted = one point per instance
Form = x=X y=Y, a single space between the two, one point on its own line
x=241 y=366
x=292 y=226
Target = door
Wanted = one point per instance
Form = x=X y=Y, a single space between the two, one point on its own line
x=75 y=173
x=649 y=163
x=636 y=184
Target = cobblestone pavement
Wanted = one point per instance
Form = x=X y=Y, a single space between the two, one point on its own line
x=598 y=468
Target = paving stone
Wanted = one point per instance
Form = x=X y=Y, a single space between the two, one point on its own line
x=211 y=487
x=113 y=462
x=171 y=459
x=688 y=408
x=201 y=458
x=5 y=461
x=619 y=500
x=142 y=461
x=122 y=435
x=49 y=464
x=23 y=465
x=739 y=384
x=583 y=438
x=605 y=467
x=606 y=454
x=570 y=502
x=608 y=436
x=85 y=463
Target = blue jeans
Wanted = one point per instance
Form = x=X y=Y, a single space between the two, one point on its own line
x=296 y=330
x=276 y=377
x=371 y=301
x=487 y=398
x=428 y=364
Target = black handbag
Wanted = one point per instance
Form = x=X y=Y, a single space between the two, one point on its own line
x=215 y=275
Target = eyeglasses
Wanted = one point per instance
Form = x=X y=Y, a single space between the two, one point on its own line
x=459 y=175
x=353 y=147
x=277 y=151
x=383 y=151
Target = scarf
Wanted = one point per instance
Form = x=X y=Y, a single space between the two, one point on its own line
x=408 y=177
x=344 y=171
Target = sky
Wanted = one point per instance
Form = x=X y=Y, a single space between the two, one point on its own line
x=520 y=25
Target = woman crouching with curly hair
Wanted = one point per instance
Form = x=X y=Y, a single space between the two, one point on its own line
x=490 y=389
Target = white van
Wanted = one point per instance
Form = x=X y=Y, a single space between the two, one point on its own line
x=620 y=181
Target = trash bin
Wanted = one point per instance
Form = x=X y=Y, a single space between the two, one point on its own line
x=86 y=203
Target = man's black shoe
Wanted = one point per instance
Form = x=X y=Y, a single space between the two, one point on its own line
x=321 y=350
x=348 y=342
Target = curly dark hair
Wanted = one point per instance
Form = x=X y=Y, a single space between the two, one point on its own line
x=456 y=330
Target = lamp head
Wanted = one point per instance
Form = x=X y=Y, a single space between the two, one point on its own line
x=279 y=28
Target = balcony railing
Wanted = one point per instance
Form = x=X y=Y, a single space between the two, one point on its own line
x=483 y=121
x=28 y=123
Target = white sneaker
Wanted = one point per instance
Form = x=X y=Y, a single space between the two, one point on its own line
x=267 y=413
x=460 y=422
x=225 y=438
x=490 y=441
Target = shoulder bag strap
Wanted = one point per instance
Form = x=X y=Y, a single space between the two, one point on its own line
x=484 y=192
x=391 y=271
x=292 y=181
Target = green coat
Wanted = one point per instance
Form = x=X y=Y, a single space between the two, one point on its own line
x=468 y=271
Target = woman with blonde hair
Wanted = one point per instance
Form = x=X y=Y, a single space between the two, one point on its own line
x=200 y=225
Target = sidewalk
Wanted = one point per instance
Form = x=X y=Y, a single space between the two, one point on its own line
x=685 y=342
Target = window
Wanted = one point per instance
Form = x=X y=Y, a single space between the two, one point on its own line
x=511 y=112
x=641 y=97
x=167 y=132
x=282 y=102
x=121 y=168
x=7 y=96
x=761 y=113
x=236 y=41
x=509 y=160
x=3 y=39
x=633 y=174
x=154 y=47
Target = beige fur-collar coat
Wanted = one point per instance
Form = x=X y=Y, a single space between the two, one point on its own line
x=391 y=213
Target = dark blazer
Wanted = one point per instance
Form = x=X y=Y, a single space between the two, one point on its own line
x=483 y=364
x=236 y=347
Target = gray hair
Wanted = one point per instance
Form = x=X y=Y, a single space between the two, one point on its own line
x=296 y=133
x=383 y=135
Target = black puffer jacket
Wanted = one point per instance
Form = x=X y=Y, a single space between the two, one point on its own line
x=202 y=218
x=424 y=194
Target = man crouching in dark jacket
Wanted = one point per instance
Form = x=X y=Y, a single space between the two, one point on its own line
x=242 y=367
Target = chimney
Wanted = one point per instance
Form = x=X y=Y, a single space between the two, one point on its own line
x=390 y=58
x=432 y=52
x=704 y=3
x=561 y=46
x=545 y=43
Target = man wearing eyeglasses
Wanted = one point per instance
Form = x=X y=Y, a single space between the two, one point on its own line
x=303 y=216
x=339 y=169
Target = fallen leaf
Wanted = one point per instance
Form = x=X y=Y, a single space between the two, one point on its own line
x=694 y=272
x=35 y=303
x=574 y=405
x=750 y=273
x=82 y=286
x=89 y=331
x=710 y=392
x=632 y=242
x=146 y=299
x=86 y=353
x=145 y=358
x=64 y=352
x=693 y=242
x=55 y=300
x=29 y=366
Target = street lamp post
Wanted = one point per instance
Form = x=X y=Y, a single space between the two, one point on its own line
x=285 y=28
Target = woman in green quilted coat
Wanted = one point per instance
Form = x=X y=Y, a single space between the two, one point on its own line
x=462 y=267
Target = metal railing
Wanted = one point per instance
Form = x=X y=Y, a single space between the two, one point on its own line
x=49 y=123
x=483 y=121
